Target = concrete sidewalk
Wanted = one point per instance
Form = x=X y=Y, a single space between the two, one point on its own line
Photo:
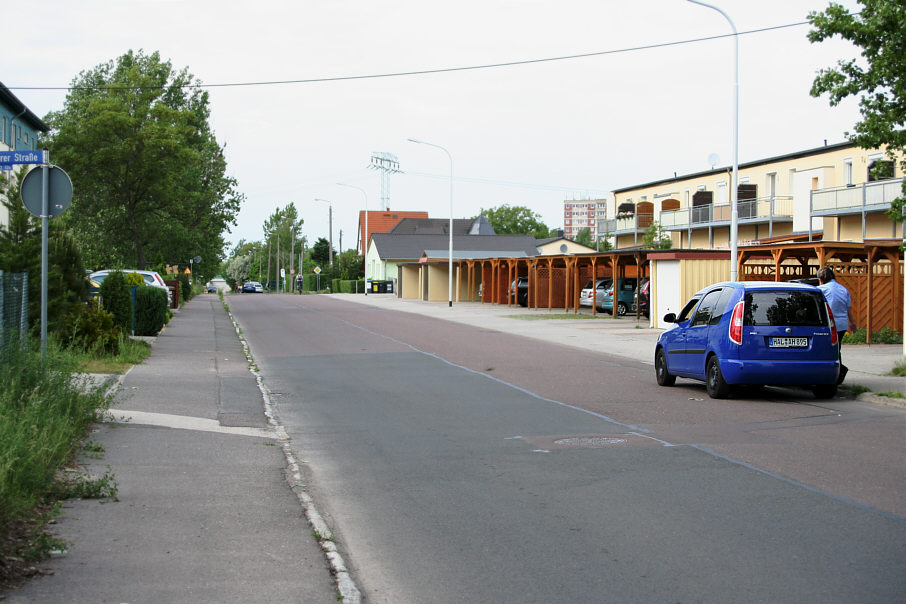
x=868 y=365
x=205 y=512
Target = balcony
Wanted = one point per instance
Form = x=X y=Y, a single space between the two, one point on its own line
x=625 y=225
x=751 y=211
x=855 y=199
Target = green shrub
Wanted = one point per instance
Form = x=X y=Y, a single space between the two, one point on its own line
x=185 y=287
x=335 y=285
x=116 y=296
x=134 y=279
x=150 y=310
x=885 y=335
x=347 y=286
x=310 y=282
x=91 y=330
x=44 y=414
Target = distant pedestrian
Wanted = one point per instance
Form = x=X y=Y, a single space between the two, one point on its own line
x=840 y=304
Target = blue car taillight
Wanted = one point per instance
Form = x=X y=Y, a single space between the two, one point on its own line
x=736 y=323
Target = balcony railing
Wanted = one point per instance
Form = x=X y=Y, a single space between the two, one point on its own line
x=764 y=209
x=869 y=197
x=631 y=223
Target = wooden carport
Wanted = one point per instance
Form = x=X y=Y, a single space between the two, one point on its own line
x=872 y=271
x=554 y=281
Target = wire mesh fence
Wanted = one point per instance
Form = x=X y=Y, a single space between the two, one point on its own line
x=13 y=310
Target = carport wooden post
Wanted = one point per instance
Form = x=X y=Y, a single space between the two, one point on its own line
x=550 y=282
x=572 y=272
x=594 y=281
x=869 y=291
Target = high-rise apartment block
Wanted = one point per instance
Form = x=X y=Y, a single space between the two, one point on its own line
x=585 y=214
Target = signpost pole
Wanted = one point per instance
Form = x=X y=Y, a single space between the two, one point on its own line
x=45 y=215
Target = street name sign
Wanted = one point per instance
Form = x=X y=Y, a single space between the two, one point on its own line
x=9 y=158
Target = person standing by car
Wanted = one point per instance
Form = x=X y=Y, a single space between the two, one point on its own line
x=840 y=304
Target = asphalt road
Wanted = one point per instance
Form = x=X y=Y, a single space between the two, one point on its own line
x=458 y=464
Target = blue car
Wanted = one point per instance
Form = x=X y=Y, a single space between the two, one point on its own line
x=752 y=333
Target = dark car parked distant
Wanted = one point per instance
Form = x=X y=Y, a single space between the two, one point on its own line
x=519 y=291
x=642 y=298
x=754 y=333
x=252 y=287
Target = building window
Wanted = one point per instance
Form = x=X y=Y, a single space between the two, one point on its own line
x=848 y=171
x=880 y=169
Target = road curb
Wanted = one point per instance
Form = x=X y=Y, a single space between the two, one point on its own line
x=347 y=590
x=887 y=401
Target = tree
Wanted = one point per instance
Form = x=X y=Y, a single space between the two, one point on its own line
x=349 y=265
x=281 y=230
x=879 y=80
x=516 y=220
x=20 y=251
x=584 y=237
x=237 y=270
x=656 y=238
x=149 y=178
x=320 y=253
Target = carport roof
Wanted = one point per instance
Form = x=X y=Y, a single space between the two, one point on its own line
x=413 y=247
x=474 y=255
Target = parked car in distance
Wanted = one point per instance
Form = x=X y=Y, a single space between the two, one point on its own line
x=751 y=333
x=625 y=295
x=642 y=298
x=252 y=287
x=151 y=278
x=211 y=289
x=587 y=297
x=519 y=291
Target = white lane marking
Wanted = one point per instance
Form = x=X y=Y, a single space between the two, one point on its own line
x=183 y=422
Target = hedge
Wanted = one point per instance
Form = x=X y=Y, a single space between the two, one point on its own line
x=117 y=300
x=150 y=310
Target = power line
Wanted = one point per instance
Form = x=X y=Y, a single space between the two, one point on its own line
x=505 y=183
x=399 y=74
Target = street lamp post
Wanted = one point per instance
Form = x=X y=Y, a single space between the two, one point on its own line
x=734 y=190
x=450 y=267
x=330 y=226
x=365 y=238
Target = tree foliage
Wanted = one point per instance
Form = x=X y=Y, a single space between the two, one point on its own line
x=878 y=80
x=350 y=265
x=584 y=237
x=281 y=233
x=320 y=253
x=149 y=177
x=656 y=238
x=20 y=252
x=516 y=220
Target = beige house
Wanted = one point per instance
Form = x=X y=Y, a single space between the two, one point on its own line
x=561 y=245
x=839 y=191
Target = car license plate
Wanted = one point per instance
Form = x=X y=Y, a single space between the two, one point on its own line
x=788 y=343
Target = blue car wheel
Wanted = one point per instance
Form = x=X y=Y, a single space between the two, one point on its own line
x=715 y=383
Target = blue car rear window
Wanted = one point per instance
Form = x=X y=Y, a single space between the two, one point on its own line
x=785 y=308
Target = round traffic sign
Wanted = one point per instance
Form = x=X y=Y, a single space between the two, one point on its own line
x=59 y=194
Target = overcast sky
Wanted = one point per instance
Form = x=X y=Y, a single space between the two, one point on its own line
x=534 y=134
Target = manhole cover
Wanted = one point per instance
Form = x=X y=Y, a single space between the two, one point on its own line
x=589 y=441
